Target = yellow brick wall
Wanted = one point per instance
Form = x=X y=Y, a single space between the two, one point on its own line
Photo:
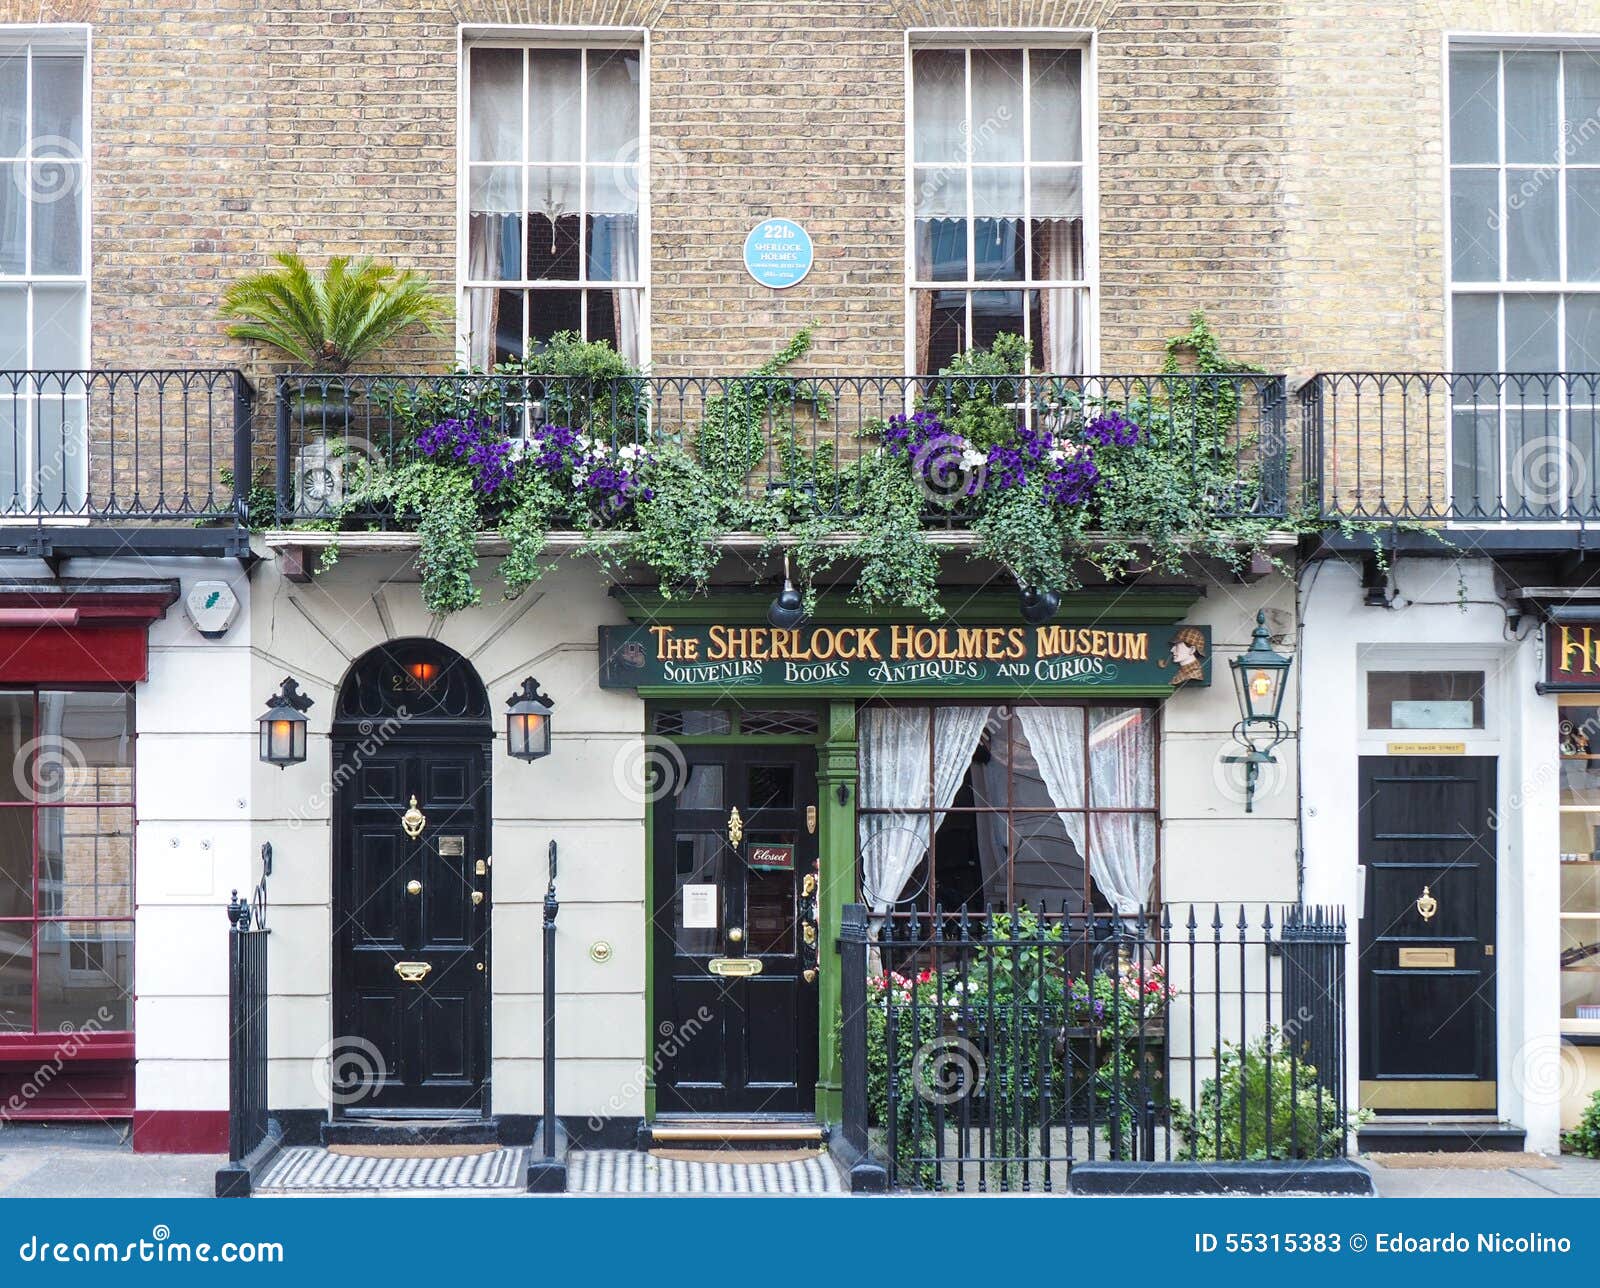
x=226 y=129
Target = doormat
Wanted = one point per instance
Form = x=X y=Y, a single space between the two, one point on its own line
x=1480 y=1160
x=737 y=1155
x=411 y=1151
x=623 y=1171
x=307 y=1169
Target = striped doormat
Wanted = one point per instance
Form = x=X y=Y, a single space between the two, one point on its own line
x=624 y=1171
x=307 y=1169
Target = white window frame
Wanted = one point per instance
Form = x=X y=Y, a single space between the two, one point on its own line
x=1502 y=43
x=77 y=36
x=1007 y=38
x=526 y=36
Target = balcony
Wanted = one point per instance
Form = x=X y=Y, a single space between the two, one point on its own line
x=800 y=433
x=103 y=462
x=1433 y=461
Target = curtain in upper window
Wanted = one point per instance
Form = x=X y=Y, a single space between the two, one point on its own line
x=998 y=228
x=555 y=174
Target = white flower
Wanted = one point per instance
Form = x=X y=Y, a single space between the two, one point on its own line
x=630 y=452
x=577 y=478
x=602 y=449
x=972 y=458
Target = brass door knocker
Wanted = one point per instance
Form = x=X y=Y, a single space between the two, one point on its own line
x=413 y=821
x=1427 y=905
x=735 y=827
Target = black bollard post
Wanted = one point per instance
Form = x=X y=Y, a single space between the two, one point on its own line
x=547 y=1172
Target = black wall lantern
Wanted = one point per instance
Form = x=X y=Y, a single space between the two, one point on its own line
x=1260 y=676
x=1038 y=606
x=283 y=726
x=528 y=722
x=788 y=607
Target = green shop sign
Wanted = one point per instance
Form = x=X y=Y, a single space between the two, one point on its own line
x=696 y=658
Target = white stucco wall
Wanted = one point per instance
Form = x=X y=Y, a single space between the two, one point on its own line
x=578 y=796
x=195 y=721
x=1446 y=613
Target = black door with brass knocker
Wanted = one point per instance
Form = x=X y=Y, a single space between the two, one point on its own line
x=1427 y=843
x=411 y=886
x=735 y=973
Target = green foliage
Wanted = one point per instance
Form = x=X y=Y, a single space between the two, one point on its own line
x=330 y=321
x=1255 y=1085
x=261 y=502
x=732 y=438
x=1186 y=485
x=1585 y=1137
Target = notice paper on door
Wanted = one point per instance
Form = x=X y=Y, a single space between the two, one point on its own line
x=700 y=907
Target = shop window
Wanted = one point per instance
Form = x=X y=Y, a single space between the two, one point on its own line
x=1425 y=700
x=972 y=807
x=66 y=861
x=1580 y=864
x=999 y=218
x=553 y=200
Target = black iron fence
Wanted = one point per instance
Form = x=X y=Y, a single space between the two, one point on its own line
x=1452 y=447
x=996 y=1052
x=125 y=445
x=1227 y=433
x=249 y=1124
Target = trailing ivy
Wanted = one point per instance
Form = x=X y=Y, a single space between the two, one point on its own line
x=1068 y=483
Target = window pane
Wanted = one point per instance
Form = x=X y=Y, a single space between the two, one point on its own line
x=1047 y=862
x=494 y=244
x=495 y=112
x=555 y=103
x=57 y=191
x=1474 y=107
x=996 y=105
x=85 y=976
x=550 y=312
x=1055 y=104
x=998 y=251
x=95 y=734
x=941 y=207
x=58 y=328
x=17 y=731
x=1530 y=95
x=1583 y=338
x=1532 y=226
x=1425 y=699
x=1583 y=226
x=1474 y=218
x=1121 y=758
x=997 y=313
x=16 y=977
x=938 y=84
x=1056 y=191
x=13 y=331
x=57 y=105
x=85 y=862
x=13 y=114
x=941 y=328
x=16 y=861
x=769 y=905
x=1581 y=74
x=1058 y=250
x=1475 y=338
x=614 y=225
x=1531 y=334
x=698 y=862
x=1059 y=335
x=553 y=225
x=613 y=105
x=1538 y=469
x=13 y=224
x=1122 y=861
x=60 y=455
x=494 y=326
x=708 y=720
x=1475 y=463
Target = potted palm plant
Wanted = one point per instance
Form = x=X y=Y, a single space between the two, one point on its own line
x=330 y=321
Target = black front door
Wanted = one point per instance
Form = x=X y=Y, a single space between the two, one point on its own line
x=411 y=953
x=736 y=1018
x=1428 y=934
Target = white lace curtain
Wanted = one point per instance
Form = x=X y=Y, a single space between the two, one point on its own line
x=898 y=774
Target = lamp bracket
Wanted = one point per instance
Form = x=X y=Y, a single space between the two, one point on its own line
x=289 y=695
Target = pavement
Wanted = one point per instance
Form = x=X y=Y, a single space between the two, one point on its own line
x=96 y=1160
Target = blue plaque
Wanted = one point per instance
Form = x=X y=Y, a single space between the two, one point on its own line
x=777 y=253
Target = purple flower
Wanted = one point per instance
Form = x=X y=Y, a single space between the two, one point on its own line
x=475 y=441
x=1111 y=429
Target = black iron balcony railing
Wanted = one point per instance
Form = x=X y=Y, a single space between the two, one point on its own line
x=1453 y=447
x=124 y=446
x=1229 y=431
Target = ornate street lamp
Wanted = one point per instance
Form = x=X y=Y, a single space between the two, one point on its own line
x=283 y=726
x=1260 y=674
x=528 y=722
